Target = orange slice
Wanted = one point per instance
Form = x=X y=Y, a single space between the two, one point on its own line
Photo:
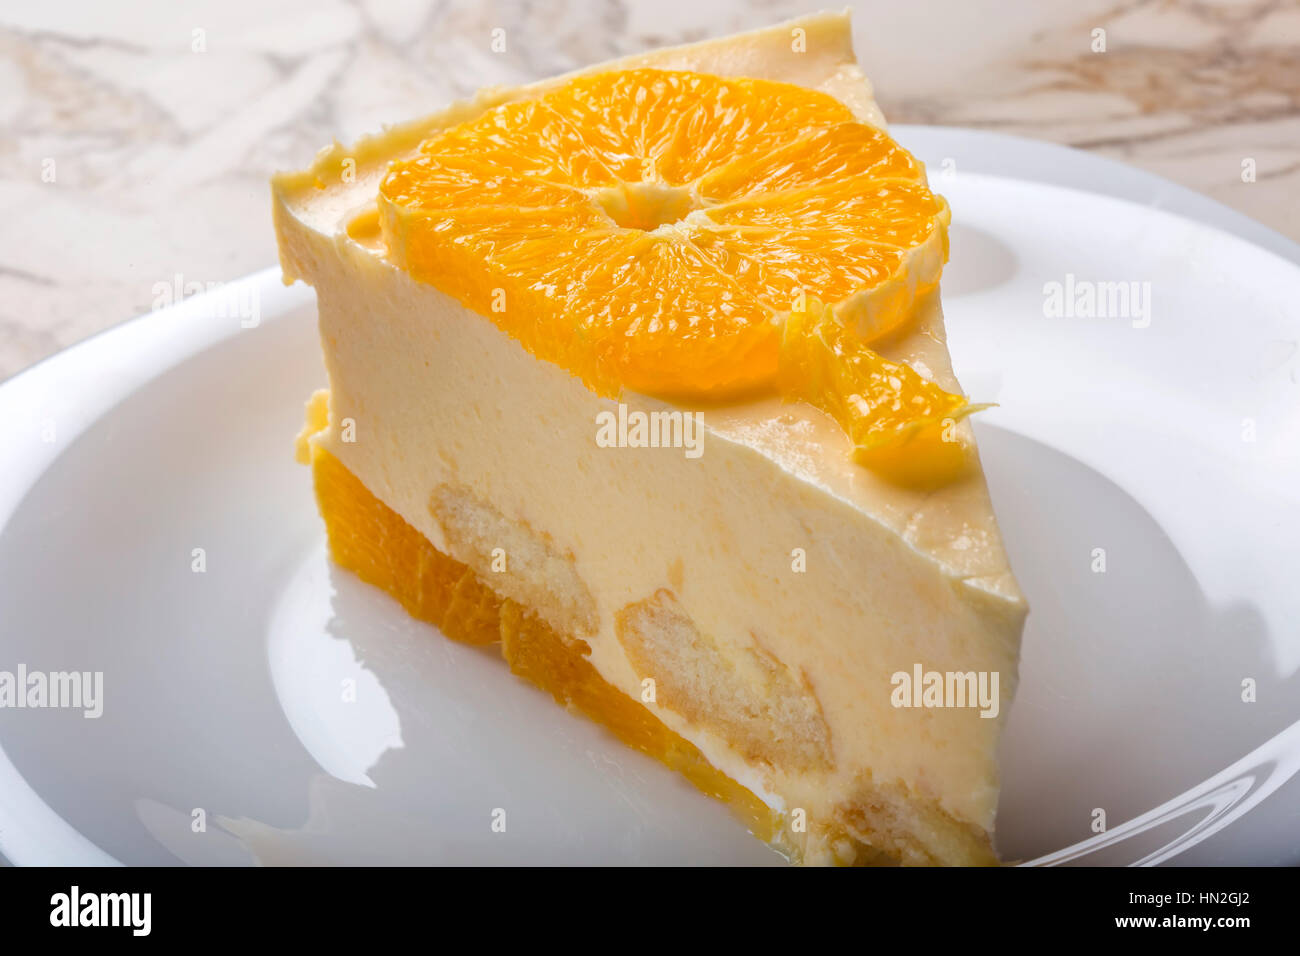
x=656 y=231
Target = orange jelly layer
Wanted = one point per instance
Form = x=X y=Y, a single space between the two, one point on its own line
x=374 y=542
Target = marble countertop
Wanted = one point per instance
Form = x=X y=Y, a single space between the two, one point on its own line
x=138 y=136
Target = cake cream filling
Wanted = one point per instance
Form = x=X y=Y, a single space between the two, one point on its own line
x=796 y=576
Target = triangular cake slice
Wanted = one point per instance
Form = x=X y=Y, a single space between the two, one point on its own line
x=767 y=617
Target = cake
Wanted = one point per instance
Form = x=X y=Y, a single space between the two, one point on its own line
x=639 y=375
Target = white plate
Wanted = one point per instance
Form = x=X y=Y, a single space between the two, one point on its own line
x=222 y=689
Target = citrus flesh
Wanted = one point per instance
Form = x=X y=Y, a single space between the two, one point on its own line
x=692 y=237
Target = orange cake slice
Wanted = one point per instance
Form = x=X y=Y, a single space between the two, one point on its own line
x=639 y=374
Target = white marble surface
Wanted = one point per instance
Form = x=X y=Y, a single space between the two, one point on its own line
x=138 y=134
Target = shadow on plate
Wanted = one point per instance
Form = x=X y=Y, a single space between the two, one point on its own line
x=1130 y=683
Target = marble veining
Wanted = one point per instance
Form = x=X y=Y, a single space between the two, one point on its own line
x=138 y=136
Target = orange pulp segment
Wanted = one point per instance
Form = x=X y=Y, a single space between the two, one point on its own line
x=901 y=425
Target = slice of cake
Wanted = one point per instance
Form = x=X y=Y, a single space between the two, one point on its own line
x=640 y=374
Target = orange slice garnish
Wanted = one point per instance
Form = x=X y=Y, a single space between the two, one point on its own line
x=665 y=232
